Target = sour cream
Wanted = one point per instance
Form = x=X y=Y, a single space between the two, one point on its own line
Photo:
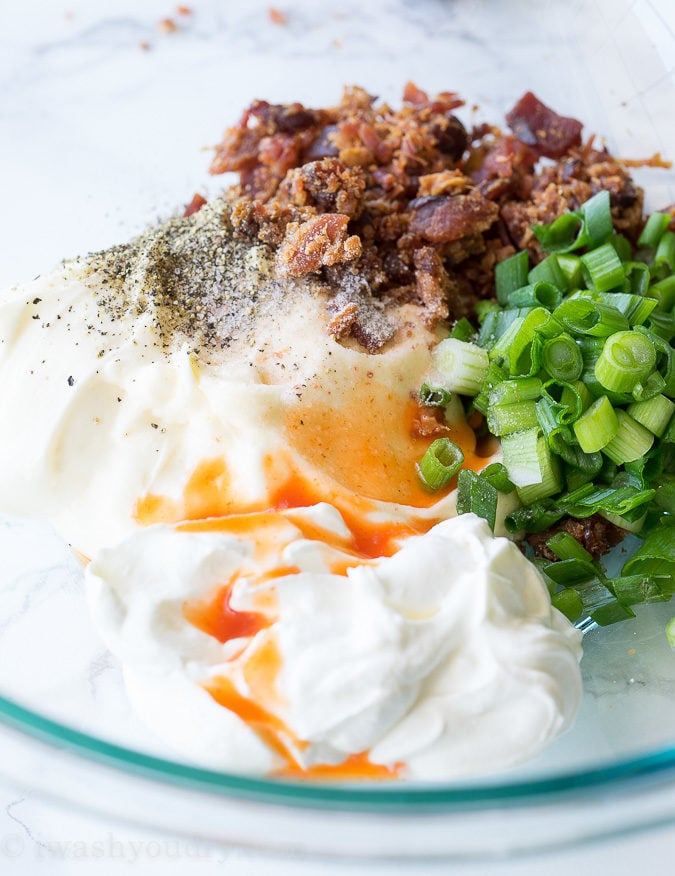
x=443 y=660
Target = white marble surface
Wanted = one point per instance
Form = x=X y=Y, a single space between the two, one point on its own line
x=98 y=136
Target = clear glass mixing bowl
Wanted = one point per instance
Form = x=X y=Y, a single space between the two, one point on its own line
x=65 y=725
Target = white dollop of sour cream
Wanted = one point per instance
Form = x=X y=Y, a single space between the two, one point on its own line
x=444 y=660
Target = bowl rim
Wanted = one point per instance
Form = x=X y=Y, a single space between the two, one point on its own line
x=621 y=775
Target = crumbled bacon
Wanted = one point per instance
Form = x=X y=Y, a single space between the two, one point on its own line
x=326 y=184
x=429 y=422
x=195 y=205
x=443 y=219
x=432 y=284
x=321 y=240
x=543 y=130
x=413 y=207
x=594 y=533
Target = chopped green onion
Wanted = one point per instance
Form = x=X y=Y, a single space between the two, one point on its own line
x=561 y=357
x=597 y=213
x=483 y=309
x=662 y=324
x=635 y=308
x=495 y=376
x=596 y=427
x=541 y=294
x=602 y=268
x=654 y=229
x=669 y=434
x=571 y=571
x=655 y=556
x=505 y=419
x=566 y=411
x=654 y=414
x=462 y=366
x=625 y=501
x=626 y=359
x=664 y=257
x=570 y=265
x=623 y=247
x=511 y=274
x=519 y=389
x=631 y=441
x=497 y=475
x=653 y=386
x=524 y=346
x=635 y=589
x=582 y=316
x=590 y=226
x=441 y=462
x=670 y=632
x=462 y=330
x=497 y=323
x=501 y=348
x=434 y=396
x=573 y=390
x=602 y=606
x=548 y=271
x=637 y=277
x=476 y=495
x=562 y=234
x=535 y=518
x=531 y=466
x=665 y=359
x=566 y=547
x=633 y=526
x=569 y=603
x=646 y=471
x=663 y=292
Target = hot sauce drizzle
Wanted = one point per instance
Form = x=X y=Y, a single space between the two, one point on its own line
x=217 y=618
x=207 y=505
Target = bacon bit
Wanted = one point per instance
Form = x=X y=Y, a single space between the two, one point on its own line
x=542 y=129
x=433 y=284
x=448 y=182
x=442 y=219
x=656 y=160
x=276 y=16
x=319 y=241
x=195 y=205
x=183 y=10
x=429 y=423
x=167 y=25
x=414 y=95
x=341 y=324
x=144 y=45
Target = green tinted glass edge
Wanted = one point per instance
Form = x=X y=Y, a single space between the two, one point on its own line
x=389 y=798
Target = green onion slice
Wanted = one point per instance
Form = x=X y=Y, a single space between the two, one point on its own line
x=602 y=268
x=627 y=358
x=434 y=396
x=477 y=495
x=596 y=427
x=441 y=462
x=561 y=357
x=654 y=229
x=511 y=274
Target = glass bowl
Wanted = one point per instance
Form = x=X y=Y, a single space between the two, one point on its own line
x=65 y=726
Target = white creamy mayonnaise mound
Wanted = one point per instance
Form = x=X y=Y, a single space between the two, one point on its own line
x=444 y=660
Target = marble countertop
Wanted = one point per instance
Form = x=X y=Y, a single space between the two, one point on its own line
x=106 y=112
